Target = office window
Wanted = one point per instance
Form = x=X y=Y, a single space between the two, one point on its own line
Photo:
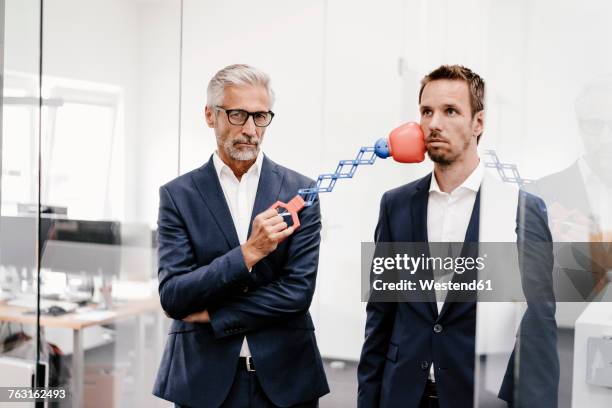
x=80 y=158
x=18 y=155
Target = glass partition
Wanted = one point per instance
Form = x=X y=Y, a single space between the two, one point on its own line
x=19 y=196
x=81 y=189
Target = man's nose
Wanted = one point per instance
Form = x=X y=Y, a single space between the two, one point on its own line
x=435 y=122
x=249 y=127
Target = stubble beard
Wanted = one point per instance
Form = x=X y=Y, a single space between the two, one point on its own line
x=446 y=157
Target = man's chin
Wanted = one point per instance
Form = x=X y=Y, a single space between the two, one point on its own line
x=246 y=154
x=438 y=157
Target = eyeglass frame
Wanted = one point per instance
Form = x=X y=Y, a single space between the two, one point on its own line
x=249 y=114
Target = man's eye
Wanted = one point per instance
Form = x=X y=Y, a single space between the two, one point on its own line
x=451 y=111
x=237 y=114
x=426 y=113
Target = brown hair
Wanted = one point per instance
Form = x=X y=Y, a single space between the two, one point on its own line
x=475 y=83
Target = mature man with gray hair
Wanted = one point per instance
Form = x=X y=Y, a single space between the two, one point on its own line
x=234 y=277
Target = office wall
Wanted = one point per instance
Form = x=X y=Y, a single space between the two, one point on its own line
x=362 y=103
x=288 y=44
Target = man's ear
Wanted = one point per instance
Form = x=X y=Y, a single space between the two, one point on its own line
x=478 y=123
x=209 y=115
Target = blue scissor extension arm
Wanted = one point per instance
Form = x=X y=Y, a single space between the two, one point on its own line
x=495 y=163
x=346 y=169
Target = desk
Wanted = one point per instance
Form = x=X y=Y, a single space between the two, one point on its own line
x=128 y=309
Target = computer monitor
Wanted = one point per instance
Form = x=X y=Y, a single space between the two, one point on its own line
x=72 y=245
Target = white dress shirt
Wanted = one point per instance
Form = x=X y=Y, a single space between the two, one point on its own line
x=599 y=196
x=240 y=198
x=448 y=216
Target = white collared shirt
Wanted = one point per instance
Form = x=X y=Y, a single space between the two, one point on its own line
x=240 y=198
x=448 y=214
x=448 y=217
x=598 y=196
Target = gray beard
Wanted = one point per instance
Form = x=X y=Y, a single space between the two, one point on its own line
x=240 y=154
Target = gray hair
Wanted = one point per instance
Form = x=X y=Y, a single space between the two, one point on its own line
x=236 y=75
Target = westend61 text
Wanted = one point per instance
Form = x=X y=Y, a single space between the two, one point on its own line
x=430 y=284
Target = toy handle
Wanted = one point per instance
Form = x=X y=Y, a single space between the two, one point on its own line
x=292 y=207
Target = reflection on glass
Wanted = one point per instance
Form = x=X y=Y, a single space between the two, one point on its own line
x=101 y=133
x=579 y=202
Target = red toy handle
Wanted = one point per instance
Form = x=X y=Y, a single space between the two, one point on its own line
x=292 y=207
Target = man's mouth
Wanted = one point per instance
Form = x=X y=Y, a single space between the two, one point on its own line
x=430 y=141
x=245 y=144
x=435 y=138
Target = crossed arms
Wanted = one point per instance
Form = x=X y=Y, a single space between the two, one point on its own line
x=215 y=292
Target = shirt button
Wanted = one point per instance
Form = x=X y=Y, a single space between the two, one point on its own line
x=424 y=365
x=437 y=328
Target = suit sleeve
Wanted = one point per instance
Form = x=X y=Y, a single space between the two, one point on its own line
x=379 y=325
x=185 y=288
x=538 y=377
x=288 y=296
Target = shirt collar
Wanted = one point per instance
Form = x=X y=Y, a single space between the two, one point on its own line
x=590 y=178
x=472 y=183
x=585 y=169
x=220 y=166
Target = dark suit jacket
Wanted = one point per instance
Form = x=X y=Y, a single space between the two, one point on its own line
x=201 y=267
x=565 y=187
x=400 y=343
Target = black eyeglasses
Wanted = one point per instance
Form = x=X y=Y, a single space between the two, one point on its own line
x=239 y=117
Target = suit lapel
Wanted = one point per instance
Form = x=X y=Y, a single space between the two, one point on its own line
x=419 y=210
x=268 y=189
x=419 y=223
x=209 y=187
x=471 y=235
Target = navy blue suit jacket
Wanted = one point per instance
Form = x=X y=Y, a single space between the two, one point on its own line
x=201 y=267
x=400 y=343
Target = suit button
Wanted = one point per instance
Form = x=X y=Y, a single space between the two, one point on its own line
x=424 y=365
x=437 y=328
